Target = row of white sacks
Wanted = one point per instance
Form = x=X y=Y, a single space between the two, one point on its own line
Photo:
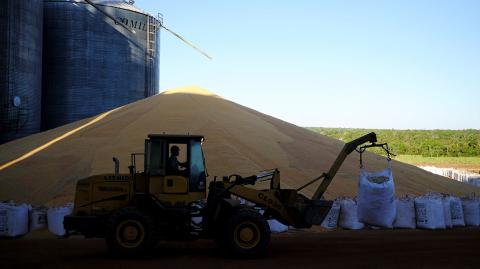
x=17 y=220
x=431 y=211
x=377 y=206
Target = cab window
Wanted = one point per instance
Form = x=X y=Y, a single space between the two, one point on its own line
x=197 y=168
x=155 y=161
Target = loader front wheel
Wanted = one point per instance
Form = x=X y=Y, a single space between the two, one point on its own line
x=130 y=232
x=246 y=234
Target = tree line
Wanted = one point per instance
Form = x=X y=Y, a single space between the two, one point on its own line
x=427 y=143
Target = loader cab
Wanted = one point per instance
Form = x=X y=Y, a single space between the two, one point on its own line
x=175 y=168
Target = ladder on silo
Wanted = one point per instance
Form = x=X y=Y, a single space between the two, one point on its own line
x=152 y=28
x=153 y=25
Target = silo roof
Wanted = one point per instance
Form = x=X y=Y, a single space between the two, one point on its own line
x=123 y=4
x=119 y=4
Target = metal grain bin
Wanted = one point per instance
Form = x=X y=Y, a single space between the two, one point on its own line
x=92 y=63
x=21 y=35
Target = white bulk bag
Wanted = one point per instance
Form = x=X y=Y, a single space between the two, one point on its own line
x=376 y=198
x=55 y=216
x=405 y=214
x=456 y=211
x=331 y=220
x=348 y=215
x=13 y=220
x=276 y=226
x=197 y=221
x=429 y=213
x=447 y=214
x=3 y=219
x=471 y=212
x=38 y=218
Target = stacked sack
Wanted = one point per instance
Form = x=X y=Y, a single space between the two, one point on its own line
x=405 y=218
x=437 y=211
x=55 y=216
x=17 y=220
x=13 y=219
x=471 y=211
x=431 y=211
x=377 y=206
x=38 y=218
x=456 y=211
x=348 y=218
x=331 y=220
x=274 y=225
x=376 y=198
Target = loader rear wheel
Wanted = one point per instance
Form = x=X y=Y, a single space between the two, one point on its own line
x=245 y=234
x=130 y=232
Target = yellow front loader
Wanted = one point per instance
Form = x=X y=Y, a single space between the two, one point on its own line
x=168 y=201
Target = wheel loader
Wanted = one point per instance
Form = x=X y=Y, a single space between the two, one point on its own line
x=169 y=201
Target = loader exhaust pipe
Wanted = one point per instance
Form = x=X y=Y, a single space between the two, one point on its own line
x=117 y=166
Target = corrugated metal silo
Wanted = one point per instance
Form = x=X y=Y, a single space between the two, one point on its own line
x=91 y=63
x=21 y=33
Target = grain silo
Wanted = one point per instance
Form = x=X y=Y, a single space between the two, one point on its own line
x=98 y=55
x=21 y=29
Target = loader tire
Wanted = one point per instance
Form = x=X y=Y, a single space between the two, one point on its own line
x=246 y=234
x=131 y=232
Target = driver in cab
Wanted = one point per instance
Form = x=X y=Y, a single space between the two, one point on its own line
x=174 y=166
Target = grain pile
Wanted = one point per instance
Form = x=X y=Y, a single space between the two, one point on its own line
x=238 y=140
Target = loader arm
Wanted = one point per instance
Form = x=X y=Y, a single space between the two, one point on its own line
x=347 y=149
x=287 y=205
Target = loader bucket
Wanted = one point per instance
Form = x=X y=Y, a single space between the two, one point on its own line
x=317 y=211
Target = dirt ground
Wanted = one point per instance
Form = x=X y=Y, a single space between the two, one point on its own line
x=296 y=249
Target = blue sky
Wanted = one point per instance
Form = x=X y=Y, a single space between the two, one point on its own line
x=369 y=64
